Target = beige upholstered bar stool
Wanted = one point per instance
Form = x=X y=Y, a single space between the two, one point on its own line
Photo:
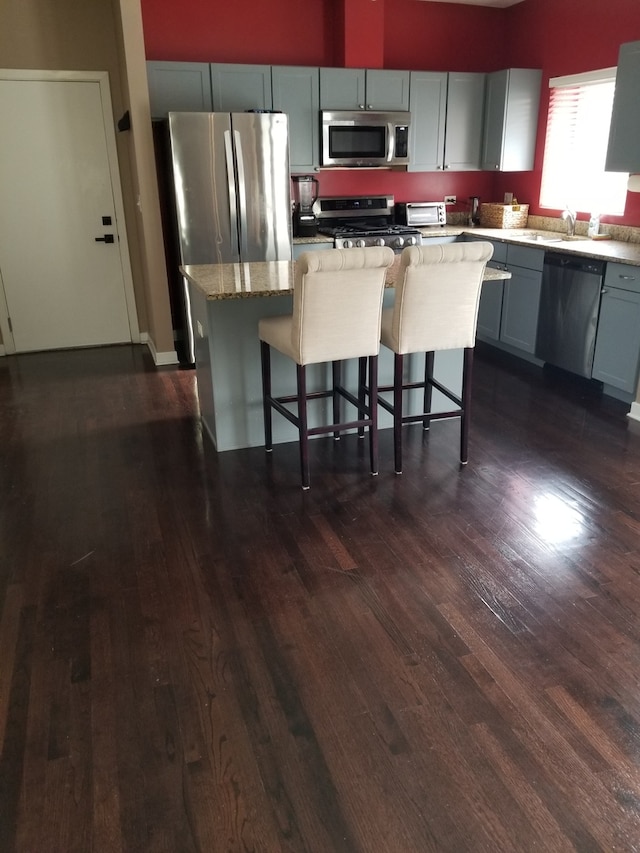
x=435 y=308
x=337 y=308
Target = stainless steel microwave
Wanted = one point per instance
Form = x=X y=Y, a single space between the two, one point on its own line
x=364 y=138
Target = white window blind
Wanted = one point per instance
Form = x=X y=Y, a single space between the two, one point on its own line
x=576 y=146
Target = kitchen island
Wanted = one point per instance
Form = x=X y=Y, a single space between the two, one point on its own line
x=227 y=301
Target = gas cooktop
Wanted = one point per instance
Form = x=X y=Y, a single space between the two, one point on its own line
x=363 y=221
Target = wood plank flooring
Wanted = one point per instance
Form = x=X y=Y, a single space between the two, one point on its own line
x=195 y=655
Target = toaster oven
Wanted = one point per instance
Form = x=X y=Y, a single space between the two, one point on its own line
x=421 y=213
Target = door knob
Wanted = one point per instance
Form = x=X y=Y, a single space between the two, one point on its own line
x=108 y=238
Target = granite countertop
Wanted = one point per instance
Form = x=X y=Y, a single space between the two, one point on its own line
x=268 y=278
x=622 y=251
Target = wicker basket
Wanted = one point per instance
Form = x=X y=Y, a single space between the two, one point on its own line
x=504 y=215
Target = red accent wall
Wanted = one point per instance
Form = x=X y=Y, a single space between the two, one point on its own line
x=559 y=36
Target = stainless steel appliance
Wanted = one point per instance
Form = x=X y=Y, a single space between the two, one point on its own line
x=364 y=138
x=232 y=190
x=306 y=192
x=569 y=307
x=360 y=221
x=421 y=213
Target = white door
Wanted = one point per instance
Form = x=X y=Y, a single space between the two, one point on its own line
x=64 y=285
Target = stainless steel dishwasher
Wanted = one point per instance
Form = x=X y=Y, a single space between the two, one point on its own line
x=569 y=306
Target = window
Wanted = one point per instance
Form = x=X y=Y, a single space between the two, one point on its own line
x=576 y=146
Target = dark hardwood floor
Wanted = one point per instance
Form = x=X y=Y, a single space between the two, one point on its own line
x=196 y=655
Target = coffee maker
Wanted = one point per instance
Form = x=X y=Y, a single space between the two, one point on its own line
x=305 y=194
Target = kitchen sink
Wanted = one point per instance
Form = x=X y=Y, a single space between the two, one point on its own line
x=549 y=237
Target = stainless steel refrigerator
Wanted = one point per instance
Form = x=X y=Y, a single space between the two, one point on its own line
x=232 y=190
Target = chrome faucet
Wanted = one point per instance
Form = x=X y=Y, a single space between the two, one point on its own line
x=569 y=217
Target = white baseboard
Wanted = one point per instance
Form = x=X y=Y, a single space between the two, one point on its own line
x=634 y=414
x=160 y=359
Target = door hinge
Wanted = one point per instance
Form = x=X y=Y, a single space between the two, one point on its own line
x=10 y=324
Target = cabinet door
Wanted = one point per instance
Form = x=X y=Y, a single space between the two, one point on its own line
x=342 y=88
x=296 y=91
x=236 y=88
x=617 y=350
x=387 y=90
x=180 y=86
x=490 y=310
x=428 y=105
x=465 y=109
x=520 y=305
x=511 y=119
x=623 y=154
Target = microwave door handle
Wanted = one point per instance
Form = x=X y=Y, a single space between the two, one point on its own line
x=231 y=183
x=391 y=151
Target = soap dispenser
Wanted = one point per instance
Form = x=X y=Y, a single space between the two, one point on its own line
x=594 y=225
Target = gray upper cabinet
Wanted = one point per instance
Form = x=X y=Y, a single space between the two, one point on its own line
x=296 y=91
x=623 y=154
x=363 y=89
x=237 y=88
x=428 y=105
x=446 y=121
x=179 y=86
x=465 y=110
x=512 y=99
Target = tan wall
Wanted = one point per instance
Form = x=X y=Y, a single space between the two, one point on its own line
x=89 y=36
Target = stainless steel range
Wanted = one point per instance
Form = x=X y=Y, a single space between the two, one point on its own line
x=359 y=221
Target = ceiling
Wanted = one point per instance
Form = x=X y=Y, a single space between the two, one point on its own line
x=498 y=4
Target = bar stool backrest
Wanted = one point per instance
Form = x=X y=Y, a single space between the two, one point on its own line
x=337 y=303
x=437 y=295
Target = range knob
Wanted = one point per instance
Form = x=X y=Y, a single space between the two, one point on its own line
x=410 y=241
x=347 y=244
x=360 y=244
x=379 y=241
x=398 y=243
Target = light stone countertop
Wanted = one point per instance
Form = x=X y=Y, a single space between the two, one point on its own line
x=268 y=278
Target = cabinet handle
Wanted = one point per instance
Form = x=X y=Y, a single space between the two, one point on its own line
x=627 y=277
x=604 y=290
x=360 y=106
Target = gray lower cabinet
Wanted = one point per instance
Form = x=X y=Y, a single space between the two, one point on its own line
x=508 y=310
x=511 y=105
x=364 y=89
x=236 y=88
x=180 y=86
x=617 y=351
x=623 y=153
x=296 y=91
x=490 y=307
x=520 y=303
x=521 y=300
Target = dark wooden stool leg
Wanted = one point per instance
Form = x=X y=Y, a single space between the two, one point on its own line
x=397 y=411
x=362 y=387
x=428 y=387
x=373 y=405
x=265 y=358
x=336 y=376
x=467 y=370
x=302 y=426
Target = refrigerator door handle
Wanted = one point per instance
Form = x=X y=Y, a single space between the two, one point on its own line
x=242 y=197
x=231 y=184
